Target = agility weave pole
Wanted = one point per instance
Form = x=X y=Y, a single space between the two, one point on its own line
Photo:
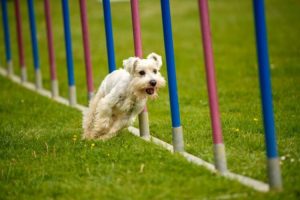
x=219 y=147
x=86 y=47
x=273 y=164
x=177 y=132
x=6 y=38
x=34 y=43
x=20 y=41
x=109 y=36
x=69 y=54
x=138 y=52
x=51 y=54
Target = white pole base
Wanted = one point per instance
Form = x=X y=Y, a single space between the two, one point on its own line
x=177 y=134
x=144 y=124
x=274 y=174
x=10 y=69
x=54 y=89
x=23 y=74
x=90 y=95
x=38 y=79
x=72 y=95
x=220 y=158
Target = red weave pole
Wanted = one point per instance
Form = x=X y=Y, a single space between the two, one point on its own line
x=219 y=147
x=86 y=46
x=137 y=38
x=50 y=39
x=136 y=28
x=210 y=72
x=19 y=34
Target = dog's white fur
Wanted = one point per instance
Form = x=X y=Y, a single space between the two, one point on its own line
x=121 y=96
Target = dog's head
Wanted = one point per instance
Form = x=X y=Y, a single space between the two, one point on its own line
x=146 y=78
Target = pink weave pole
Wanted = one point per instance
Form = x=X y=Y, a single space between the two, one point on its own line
x=136 y=28
x=51 y=55
x=20 y=41
x=86 y=46
x=143 y=117
x=219 y=149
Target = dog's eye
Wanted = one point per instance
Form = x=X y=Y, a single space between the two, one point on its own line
x=142 y=73
x=155 y=71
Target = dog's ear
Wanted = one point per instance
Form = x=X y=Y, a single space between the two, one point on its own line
x=156 y=58
x=130 y=64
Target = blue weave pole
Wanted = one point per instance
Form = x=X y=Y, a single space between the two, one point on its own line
x=34 y=43
x=109 y=36
x=69 y=55
x=266 y=94
x=6 y=36
x=169 y=51
x=35 y=50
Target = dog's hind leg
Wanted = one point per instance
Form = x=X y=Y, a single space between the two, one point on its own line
x=119 y=124
x=106 y=136
x=115 y=126
x=89 y=115
x=103 y=119
x=97 y=121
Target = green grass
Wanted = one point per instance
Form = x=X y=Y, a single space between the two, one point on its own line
x=39 y=158
x=45 y=157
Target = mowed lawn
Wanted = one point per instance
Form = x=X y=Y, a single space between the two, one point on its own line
x=43 y=156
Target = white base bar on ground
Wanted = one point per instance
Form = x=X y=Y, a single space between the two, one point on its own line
x=255 y=184
x=252 y=183
x=247 y=181
x=32 y=87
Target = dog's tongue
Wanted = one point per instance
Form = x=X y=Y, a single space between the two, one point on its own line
x=150 y=91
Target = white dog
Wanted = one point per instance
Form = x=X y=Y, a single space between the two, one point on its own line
x=121 y=96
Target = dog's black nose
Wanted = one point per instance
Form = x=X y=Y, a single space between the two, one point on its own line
x=153 y=83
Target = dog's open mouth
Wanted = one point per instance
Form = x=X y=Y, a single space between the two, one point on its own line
x=150 y=91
